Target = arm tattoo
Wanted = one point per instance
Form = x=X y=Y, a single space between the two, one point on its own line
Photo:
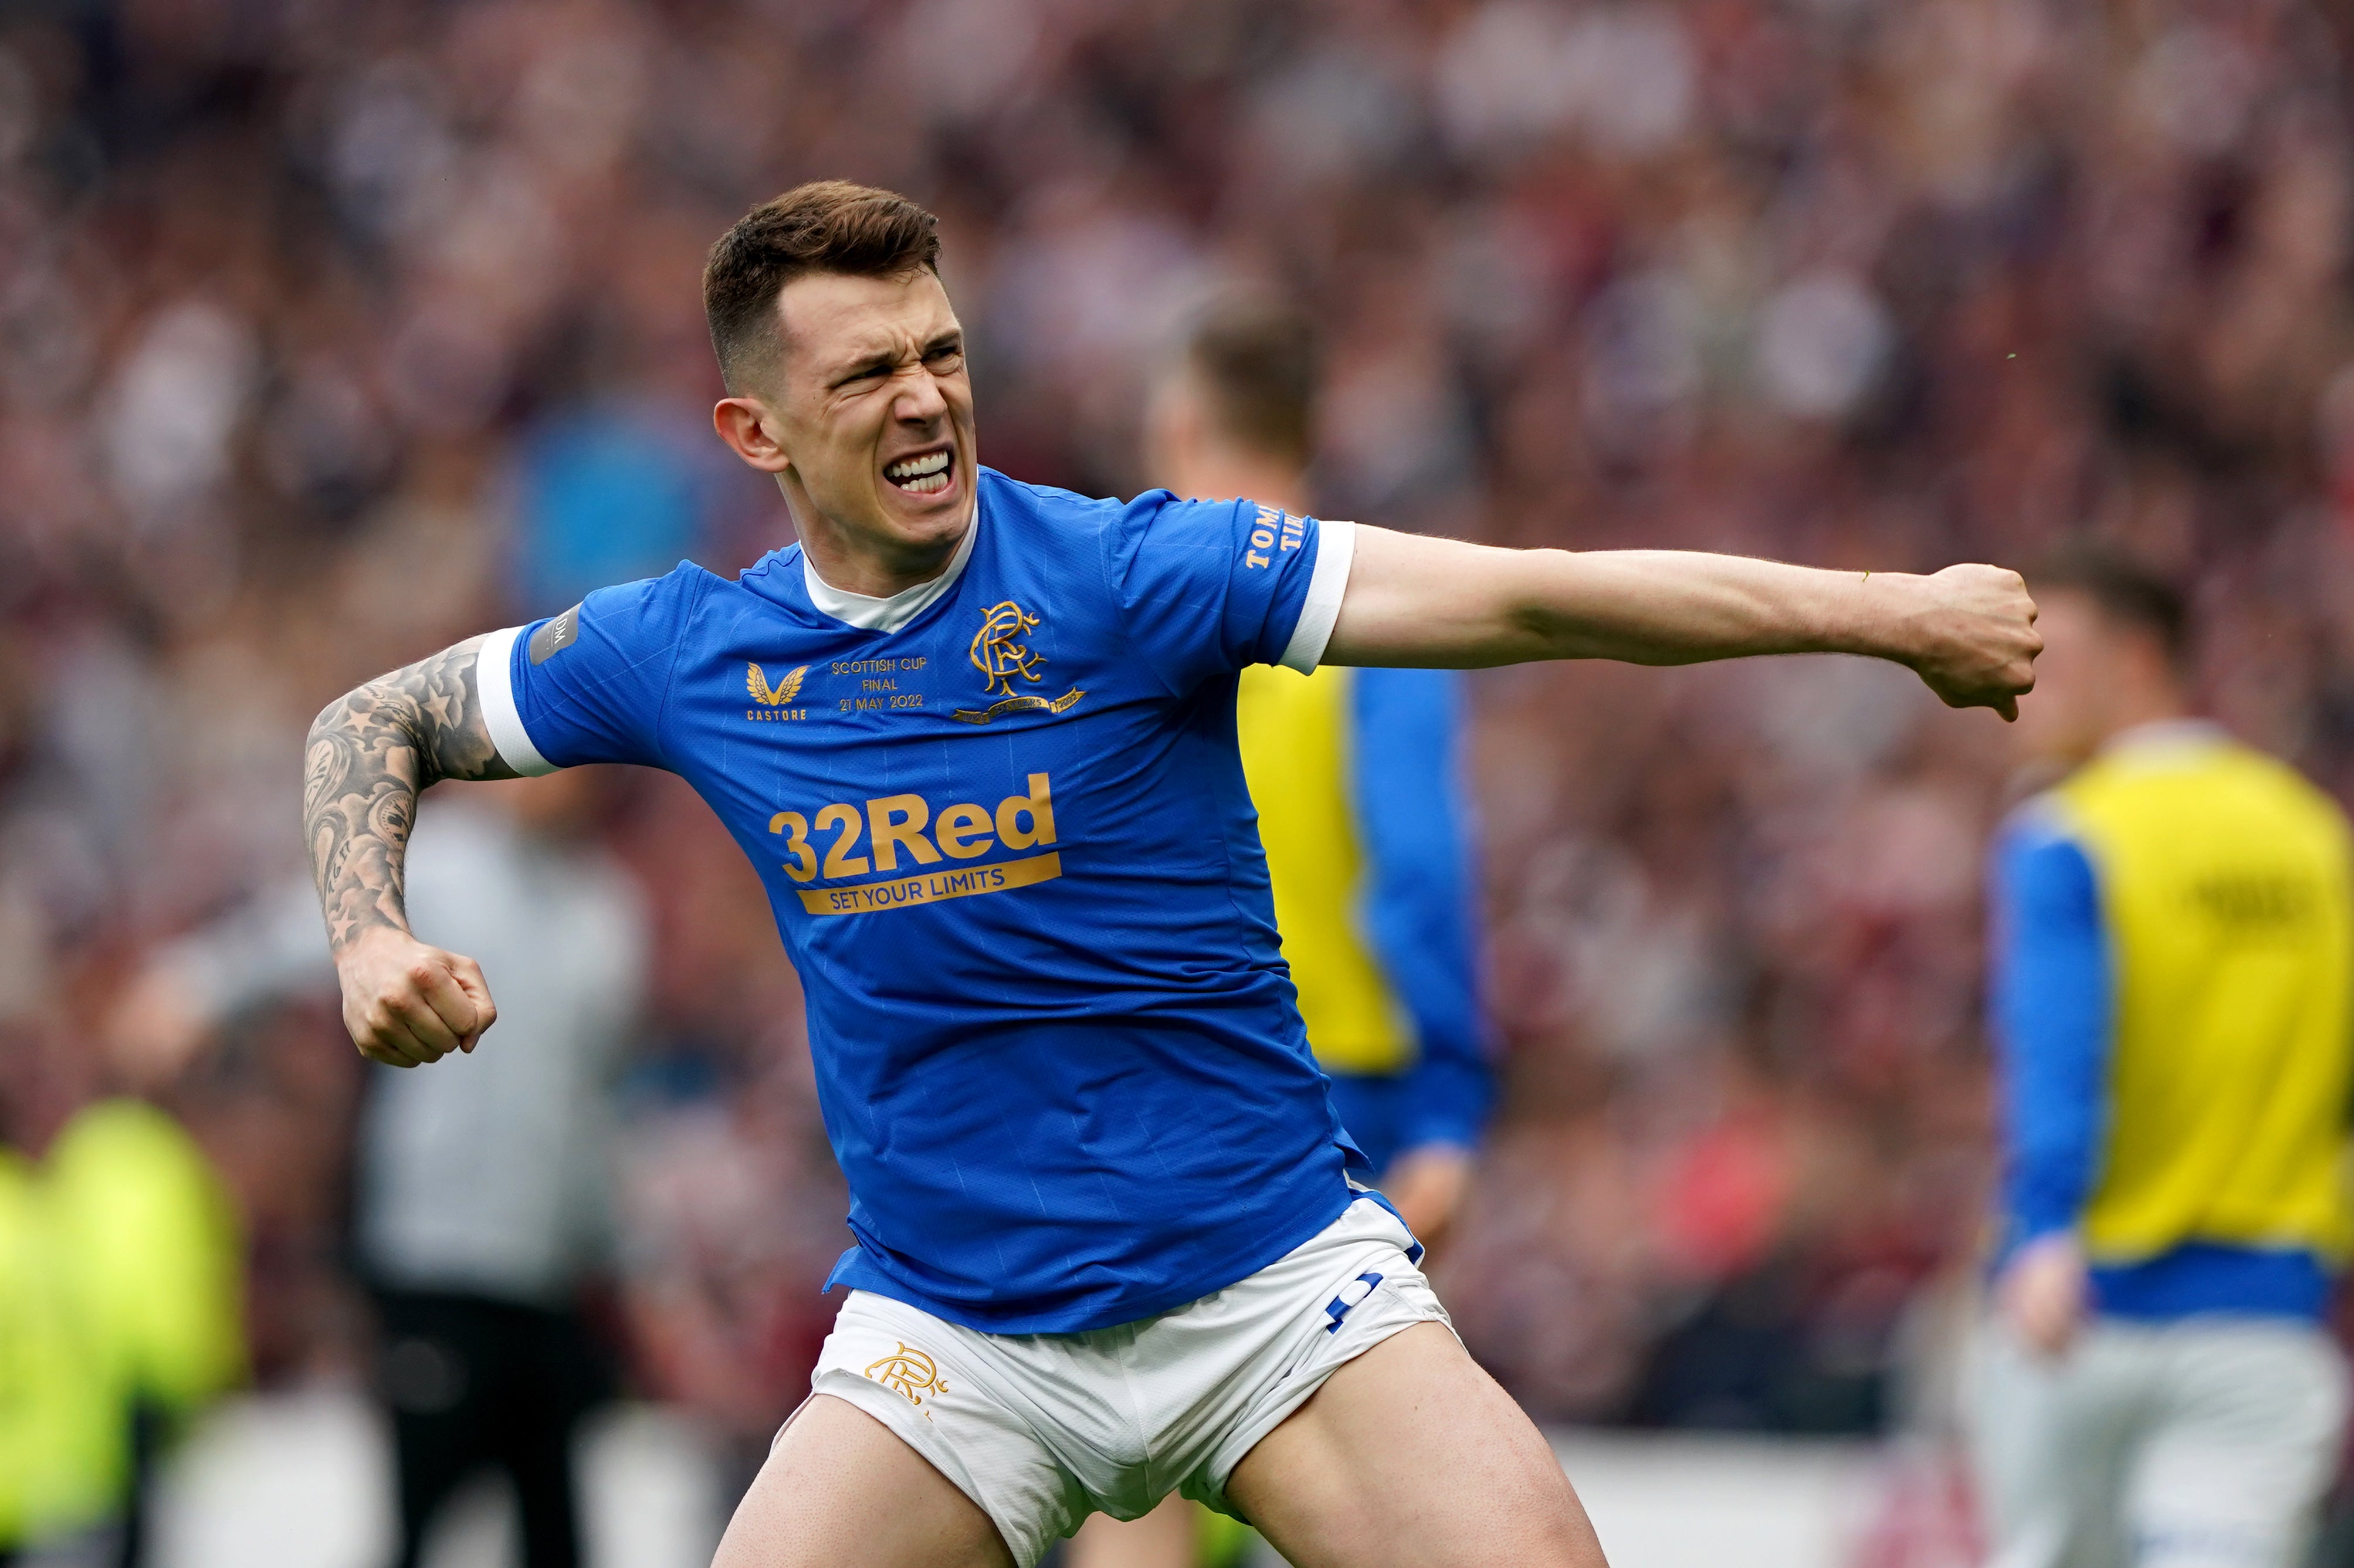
x=371 y=752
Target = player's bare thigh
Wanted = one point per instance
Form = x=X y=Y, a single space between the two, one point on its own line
x=840 y=1490
x=1410 y=1454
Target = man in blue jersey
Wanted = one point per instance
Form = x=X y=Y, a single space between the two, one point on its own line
x=976 y=736
x=2174 y=1019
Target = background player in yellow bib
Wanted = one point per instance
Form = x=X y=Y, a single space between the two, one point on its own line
x=2173 y=944
x=1355 y=774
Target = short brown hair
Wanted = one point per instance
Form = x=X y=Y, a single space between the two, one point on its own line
x=1259 y=363
x=826 y=226
x=2124 y=590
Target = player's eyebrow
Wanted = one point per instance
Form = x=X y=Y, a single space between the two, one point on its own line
x=881 y=362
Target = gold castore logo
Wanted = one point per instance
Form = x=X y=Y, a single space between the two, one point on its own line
x=1000 y=655
x=908 y=1371
x=756 y=681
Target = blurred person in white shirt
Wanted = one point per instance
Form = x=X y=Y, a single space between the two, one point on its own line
x=484 y=1194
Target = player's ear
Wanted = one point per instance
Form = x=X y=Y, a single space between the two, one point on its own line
x=752 y=432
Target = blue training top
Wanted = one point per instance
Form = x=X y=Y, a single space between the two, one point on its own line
x=1406 y=786
x=1011 y=853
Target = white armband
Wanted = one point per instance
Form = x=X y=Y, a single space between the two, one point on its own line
x=1336 y=547
x=495 y=685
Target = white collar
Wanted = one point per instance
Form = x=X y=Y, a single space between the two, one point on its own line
x=887 y=615
x=2163 y=733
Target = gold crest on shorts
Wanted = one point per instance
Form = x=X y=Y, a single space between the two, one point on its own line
x=908 y=1371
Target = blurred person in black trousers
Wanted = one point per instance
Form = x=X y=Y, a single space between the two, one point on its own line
x=485 y=1194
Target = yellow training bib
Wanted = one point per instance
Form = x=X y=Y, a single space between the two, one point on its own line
x=2224 y=886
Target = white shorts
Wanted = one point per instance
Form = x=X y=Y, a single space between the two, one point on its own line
x=1041 y=1430
x=2207 y=1442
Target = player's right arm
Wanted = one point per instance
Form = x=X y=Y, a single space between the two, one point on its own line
x=371 y=752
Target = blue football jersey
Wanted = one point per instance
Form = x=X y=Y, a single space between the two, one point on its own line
x=1012 y=853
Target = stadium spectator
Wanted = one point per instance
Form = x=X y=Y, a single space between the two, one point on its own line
x=2174 y=1009
x=608 y=493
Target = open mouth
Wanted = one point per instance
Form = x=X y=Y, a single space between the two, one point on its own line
x=927 y=474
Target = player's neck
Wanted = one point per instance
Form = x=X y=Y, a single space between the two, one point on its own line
x=2138 y=706
x=855 y=563
x=1228 y=474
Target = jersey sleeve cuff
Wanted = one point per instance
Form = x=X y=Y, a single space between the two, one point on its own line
x=495 y=683
x=1336 y=547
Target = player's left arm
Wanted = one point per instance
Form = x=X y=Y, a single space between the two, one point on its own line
x=1969 y=632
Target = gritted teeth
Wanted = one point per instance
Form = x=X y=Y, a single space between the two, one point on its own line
x=923 y=474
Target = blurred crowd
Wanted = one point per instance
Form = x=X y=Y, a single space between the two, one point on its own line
x=332 y=331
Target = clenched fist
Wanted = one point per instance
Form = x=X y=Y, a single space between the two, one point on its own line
x=408 y=1003
x=1970 y=631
